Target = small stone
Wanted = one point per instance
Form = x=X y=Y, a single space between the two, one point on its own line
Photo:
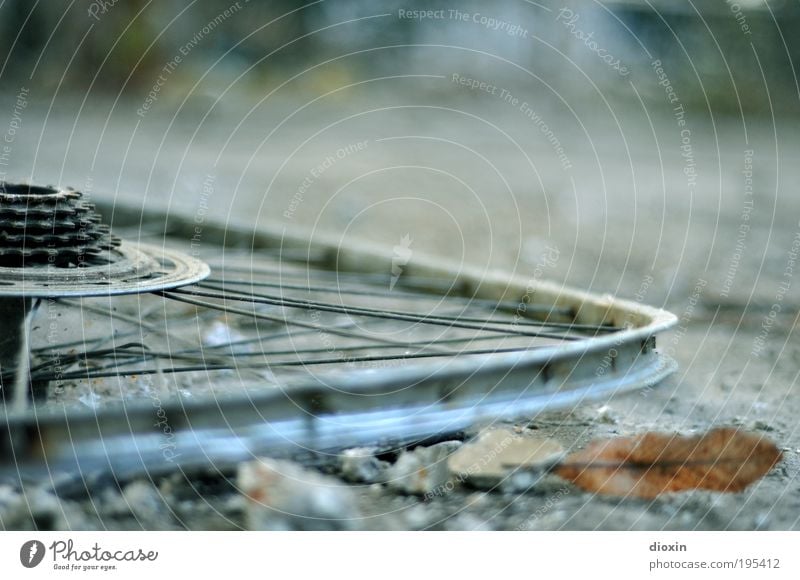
x=761 y=521
x=219 y=333
x=419 y=517
x=465 y=522
x=424 y=470
x=476 y=499
x=8 y=496
x=519 y=481
x=282 y=495
x=360 y=465
x=147 y=505
x=606 y=415
x=759 y=425
x=498 y=453
x=36 y=509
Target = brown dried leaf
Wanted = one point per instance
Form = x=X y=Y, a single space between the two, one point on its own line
x=647 y=465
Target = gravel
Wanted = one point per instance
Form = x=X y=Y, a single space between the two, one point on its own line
x=282 y=495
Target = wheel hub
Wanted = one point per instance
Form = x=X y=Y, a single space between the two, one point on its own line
x=53 y=244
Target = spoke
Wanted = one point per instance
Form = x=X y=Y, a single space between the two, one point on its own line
x=172 y=295
x=448 y=321
x=102 y=373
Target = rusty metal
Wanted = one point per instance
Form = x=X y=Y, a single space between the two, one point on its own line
x=53 y=244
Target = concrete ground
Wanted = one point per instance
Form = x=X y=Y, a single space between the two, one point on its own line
x=705 y=223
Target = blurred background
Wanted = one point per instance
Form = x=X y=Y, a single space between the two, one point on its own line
x=616 y=132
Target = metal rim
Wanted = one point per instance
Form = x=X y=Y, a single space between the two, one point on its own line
x=324 y=417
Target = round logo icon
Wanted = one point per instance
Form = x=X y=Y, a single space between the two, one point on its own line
x=31 y=553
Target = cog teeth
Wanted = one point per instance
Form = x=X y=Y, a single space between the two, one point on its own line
x=49 y=226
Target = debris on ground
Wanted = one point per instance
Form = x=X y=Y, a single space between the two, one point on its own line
x=647 y=465
x=497 y=455
x=360 y=465
x=146 y=504
x=37 y=509
x=283 y=495
x=423 y=470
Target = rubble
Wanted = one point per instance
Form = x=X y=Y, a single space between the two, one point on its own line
x=282 y=495
x=423 y=471
x=147 y=505
x=494 y=456
x=359 y=465
x=36 y=509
